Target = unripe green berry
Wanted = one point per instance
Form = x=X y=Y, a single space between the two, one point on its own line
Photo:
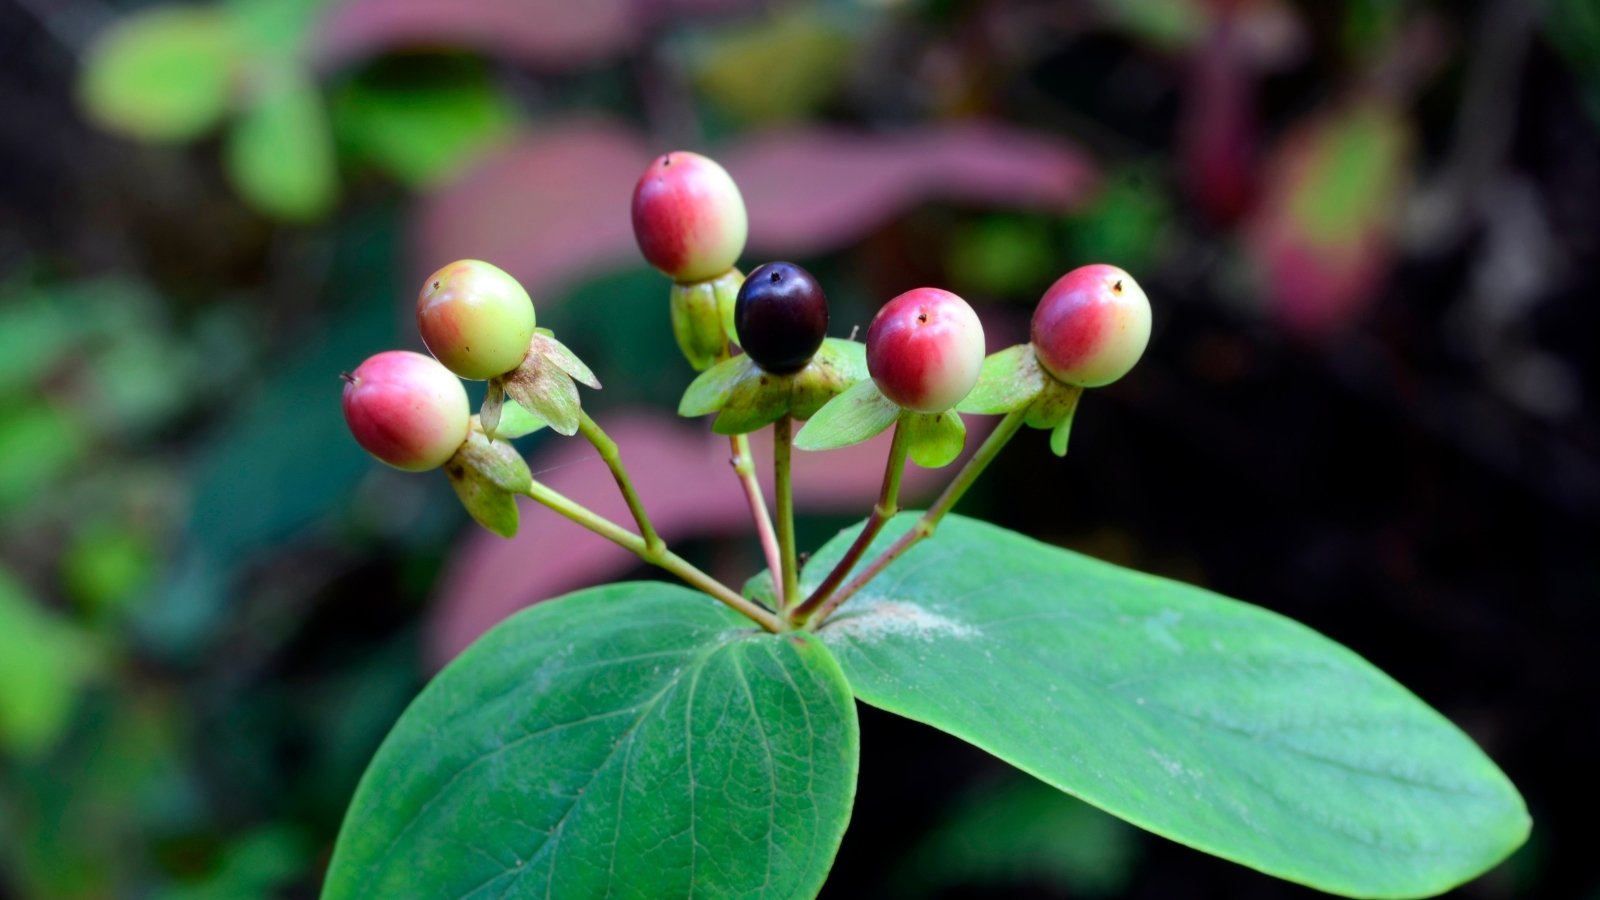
x=1092 y=326
x=688 y=217
x=407 y=410
x=475 y=318
x=924 y=349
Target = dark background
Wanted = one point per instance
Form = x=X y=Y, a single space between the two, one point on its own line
x=1369 y=231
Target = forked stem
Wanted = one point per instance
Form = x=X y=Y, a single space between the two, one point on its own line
x=888 y=504
x=783 y=478
x=658 y=555
x=929 y=521
x=603 y=443
x=744 y=465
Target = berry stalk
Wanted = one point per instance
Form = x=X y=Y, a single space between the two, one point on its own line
x=607 y=448
x=659 y=556
x=888 y=504
x=783 y=478
x=929 y=522
x=744 y=466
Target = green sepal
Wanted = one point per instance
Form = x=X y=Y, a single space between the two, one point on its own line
x=494 y=401
x=1059 y=434
x=484 y=475
x=702 y=317
x=934 y=440
x=757 y=399
x=559 y=355
x=837 y=365
x=541 y=387
x=710 y=390
x=746 y=397
x=1054 y=405
x=515 y=421
x=860 y=413
x=1009 y=380
x=497 y=462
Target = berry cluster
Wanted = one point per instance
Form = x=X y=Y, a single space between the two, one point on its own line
x=761 y=345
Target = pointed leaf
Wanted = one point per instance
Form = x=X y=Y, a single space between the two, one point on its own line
x=636 y=740
x=548 y=393
x=492 y=507
x=1009 y=380
x=1209 y=721
x=935 y=440
x=856 y=415
x=710 y=389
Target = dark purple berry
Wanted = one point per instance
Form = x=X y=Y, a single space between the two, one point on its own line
x=781 y=316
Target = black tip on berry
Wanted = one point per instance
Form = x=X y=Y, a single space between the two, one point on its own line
x=781 y=316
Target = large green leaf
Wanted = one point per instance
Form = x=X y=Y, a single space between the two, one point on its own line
x=636 y=740
x=1209 y=721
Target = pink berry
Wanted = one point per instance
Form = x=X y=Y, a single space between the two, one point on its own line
x=1092 y=326
x=688 y=217
x=407 y=410
x=924 y=349
x=475 y=318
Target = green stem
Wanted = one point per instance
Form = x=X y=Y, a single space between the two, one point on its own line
x=745 y=467
x=602 y=442
x=657 y=556
x=926 y=525
x=782 y=452
x=888 y=504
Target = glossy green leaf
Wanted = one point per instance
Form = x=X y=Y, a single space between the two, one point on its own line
x=1010 y=379
x=636 y=740
x=280 y=153
x=162 y=75
x=1217 y=724
x=934 y=440
x=860 y=413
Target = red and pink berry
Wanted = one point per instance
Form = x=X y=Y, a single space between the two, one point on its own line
x=1092 y=326
x=924 y=349
x=689 y=217
x=475 y=318
x=407 y=410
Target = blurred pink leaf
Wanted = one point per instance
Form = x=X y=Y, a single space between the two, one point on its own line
x=557 y=33
x=813 y=190
x=554 y=206
x=681 y=472
x=1322 y=236
x=549 y=33
x=1217 y=134
x=549 y=208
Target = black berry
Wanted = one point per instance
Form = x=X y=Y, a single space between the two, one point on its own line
x=781 y=316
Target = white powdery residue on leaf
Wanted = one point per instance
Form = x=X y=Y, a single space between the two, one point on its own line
x=879 y=619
